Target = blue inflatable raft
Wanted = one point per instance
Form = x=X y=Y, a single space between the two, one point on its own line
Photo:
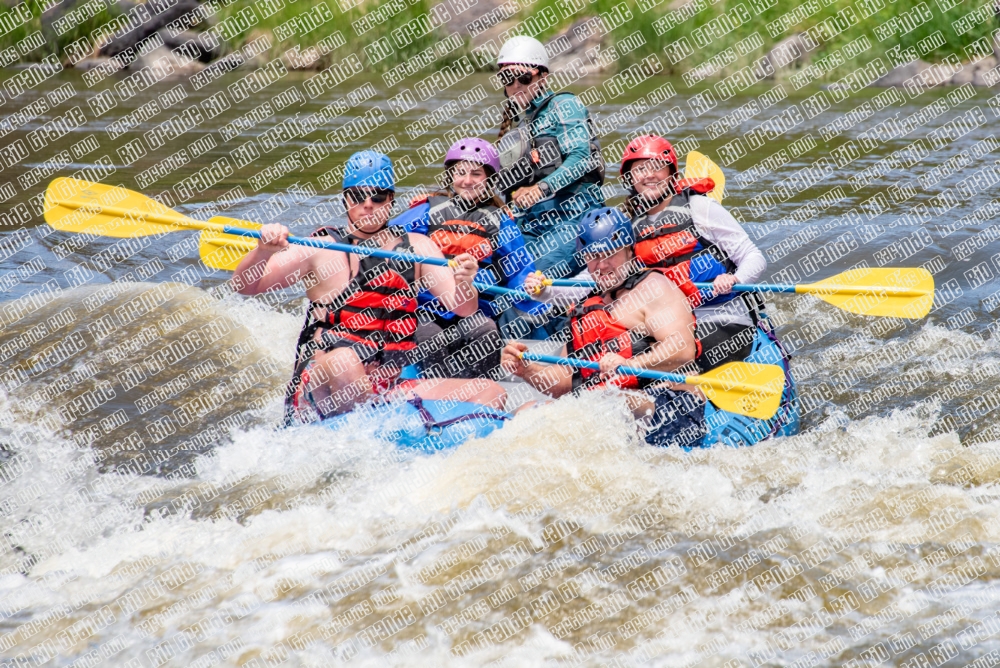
x=739 y=430
x=683 y=421
x=427 y=425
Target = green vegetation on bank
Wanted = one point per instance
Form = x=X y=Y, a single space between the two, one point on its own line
x=846 y=21
x=31 y=40
x=388 y=33
x=671 y=34
x=382 y=34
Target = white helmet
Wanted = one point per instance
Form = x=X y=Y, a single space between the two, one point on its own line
x=523 y=50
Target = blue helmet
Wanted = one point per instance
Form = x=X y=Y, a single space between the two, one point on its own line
x=604 y=229
x=369 y=169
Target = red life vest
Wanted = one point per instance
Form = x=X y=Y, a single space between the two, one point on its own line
x=595 y=334
x=377 y=308
x=672 y=240
x=376 y=312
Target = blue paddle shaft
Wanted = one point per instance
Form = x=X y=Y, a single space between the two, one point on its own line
x=344 y=248
x=572 y=283
x=375 y=252
x=763 y=287
x=739 y=287
x=586 y=364
x=497 y=290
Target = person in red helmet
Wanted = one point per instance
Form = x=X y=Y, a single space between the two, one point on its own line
x=677 y=226
x=692 y=238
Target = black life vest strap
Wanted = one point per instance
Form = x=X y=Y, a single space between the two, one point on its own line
x=306 y=346
x=490 y=231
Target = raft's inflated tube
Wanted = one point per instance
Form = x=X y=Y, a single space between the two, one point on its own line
x=429 y=425
x=739 y=430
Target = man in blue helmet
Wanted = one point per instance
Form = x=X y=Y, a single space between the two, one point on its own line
x=635 y=318
x=359 y=330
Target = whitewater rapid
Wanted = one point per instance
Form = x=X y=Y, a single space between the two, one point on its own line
x=560 y=540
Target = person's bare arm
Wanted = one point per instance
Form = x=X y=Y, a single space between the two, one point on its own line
x=668 y=319
x=453 y=288
x=273 y=264
x=553 y=379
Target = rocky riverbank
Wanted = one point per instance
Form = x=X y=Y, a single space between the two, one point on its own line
x=904 y=44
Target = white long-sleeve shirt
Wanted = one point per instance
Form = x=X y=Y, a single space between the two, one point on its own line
x=718 y=226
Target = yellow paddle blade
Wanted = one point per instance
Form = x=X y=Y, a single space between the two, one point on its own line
x=224 y=251
x=698 y=166
x=72 y=205
x=744 y=388
x=893 y=292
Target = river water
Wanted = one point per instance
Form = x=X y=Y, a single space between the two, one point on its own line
x=210 y=538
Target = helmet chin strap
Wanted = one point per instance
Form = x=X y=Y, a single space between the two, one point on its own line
x=617 y=272
x=613 y=289
x=462 y=202
x=648 y=204
x=539 y=90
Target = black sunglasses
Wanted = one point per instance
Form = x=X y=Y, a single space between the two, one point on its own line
x=508 y=77
x=358 y=196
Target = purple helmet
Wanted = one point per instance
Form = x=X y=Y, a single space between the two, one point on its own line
x=473 y=149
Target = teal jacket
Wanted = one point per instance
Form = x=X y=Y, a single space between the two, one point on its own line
x=565 y=118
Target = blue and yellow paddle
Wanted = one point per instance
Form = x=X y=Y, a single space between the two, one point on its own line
x=899 y=292
x=744 y=388
x=72 y=205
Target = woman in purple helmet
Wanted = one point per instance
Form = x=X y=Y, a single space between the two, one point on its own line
x=467 y=216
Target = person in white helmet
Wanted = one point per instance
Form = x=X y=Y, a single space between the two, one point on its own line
x=552 y=162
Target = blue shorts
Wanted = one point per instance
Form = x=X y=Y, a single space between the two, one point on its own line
x=678 y=419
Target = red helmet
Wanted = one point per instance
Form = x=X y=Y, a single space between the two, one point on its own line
x=646 y=147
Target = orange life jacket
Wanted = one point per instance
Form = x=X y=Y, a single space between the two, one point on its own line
x=681 y=277
x=595 y=334
x=672 y=240
x=376 y=312
x=455 y=230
